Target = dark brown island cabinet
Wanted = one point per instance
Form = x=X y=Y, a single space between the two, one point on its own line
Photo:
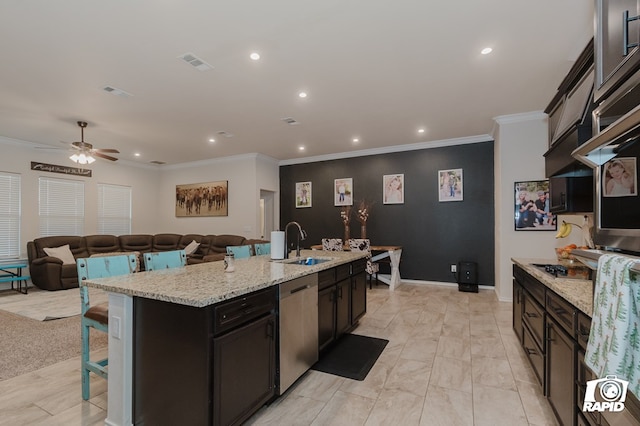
x=554 y=335
x=217 y=365
x=342 y=301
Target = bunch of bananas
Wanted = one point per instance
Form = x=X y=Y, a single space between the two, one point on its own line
x=564 y=230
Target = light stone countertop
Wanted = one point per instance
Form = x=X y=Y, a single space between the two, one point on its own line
x=206 y=283
x=575 y=291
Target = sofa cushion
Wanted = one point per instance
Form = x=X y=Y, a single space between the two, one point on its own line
x=102 y=244
x=166 y=242
x=219 y=243
x=63 y=253
x=76 y=244
x=136 y=242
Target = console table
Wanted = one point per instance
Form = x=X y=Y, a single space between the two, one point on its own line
x=16 y=276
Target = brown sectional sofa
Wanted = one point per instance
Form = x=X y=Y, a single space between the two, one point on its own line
x=49 y=273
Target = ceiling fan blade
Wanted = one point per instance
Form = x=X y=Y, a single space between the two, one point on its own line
x=106 y=157
x=111 y=150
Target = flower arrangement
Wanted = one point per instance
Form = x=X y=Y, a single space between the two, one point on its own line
x=363 y=212
x=345 y=215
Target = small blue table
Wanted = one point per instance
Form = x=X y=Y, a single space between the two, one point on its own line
x=17 y=277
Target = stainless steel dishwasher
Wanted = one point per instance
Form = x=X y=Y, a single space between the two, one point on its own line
x=298 y=329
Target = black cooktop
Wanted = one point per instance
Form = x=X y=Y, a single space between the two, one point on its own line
x=580 y=272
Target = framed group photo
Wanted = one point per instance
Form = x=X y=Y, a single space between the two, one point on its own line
x=343 y=192
x=450 y=185
x=202 y=199
x=532 y=206
x=303 y=194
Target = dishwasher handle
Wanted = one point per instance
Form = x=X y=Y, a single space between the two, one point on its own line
x=303 y=287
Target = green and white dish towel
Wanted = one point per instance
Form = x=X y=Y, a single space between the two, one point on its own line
x=614 y=340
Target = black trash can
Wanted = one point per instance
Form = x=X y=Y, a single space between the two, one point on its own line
x=468 y=276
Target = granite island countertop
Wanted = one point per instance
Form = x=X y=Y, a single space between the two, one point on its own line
x=578 y=292
x=206 y=283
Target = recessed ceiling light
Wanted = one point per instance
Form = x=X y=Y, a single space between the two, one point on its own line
x=255 y=56
x=137 y=154
x=421 y=130
x=302 y=94
x=486 y=50
x=212 y=140
x=355 y=140
x=301 y=148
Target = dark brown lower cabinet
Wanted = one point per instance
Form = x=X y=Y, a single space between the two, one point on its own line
x=343 y=306
x=203 y=366
x=326 y=317
x=342 y=301
x=358 y=296
x=560 y=366
x=243 y=371
x=517 y=309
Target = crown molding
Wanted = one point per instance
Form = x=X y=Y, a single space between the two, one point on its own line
x=518 y=118
x=211 y=161
x=390 y=149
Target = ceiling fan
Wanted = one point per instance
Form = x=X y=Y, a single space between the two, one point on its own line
x=86 y=152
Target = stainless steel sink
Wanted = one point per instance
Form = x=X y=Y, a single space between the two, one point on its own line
x=308 y=261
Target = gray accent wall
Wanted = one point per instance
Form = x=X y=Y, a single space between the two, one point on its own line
x=433 y=234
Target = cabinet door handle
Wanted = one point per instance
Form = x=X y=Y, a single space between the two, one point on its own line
x=531 y=315
x=340 y=292
x=530 y=351
x=625 y=32
x=270 y=328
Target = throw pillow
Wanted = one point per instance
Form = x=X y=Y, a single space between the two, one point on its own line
x=191 y=247
x=63 y=253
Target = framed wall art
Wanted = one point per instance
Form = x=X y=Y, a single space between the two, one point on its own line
x=202 y=199
x=303 y=194
x=619 y=178
x=343 y=192
x=450 y=185
x=393 y=189
x=532 y=206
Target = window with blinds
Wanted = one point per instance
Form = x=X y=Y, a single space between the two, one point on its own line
x=114 y=209
x=9 y=215
x=61 y=208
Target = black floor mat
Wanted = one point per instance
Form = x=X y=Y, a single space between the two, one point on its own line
x=352 y=356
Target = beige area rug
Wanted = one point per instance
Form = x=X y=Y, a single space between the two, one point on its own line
x=45 y=305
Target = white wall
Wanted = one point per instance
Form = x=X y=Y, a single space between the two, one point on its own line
x=520 y=142
x=17 y=158
x=246 y=176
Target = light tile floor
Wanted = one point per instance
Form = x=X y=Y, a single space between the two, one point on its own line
x=452 y=359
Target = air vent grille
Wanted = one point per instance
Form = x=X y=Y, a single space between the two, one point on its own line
x=195 y=62
x=290 y=121
x=116 y=91
x=157 y=162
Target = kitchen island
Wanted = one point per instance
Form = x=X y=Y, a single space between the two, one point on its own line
x=185 y=303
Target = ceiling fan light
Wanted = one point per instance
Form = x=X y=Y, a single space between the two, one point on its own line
x=90 y=159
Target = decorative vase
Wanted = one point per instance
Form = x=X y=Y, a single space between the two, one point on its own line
x=347 y=234
x=363 y=231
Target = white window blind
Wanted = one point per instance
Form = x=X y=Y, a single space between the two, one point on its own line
x=61 y=207
x=114 y=209
x=9 y=215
